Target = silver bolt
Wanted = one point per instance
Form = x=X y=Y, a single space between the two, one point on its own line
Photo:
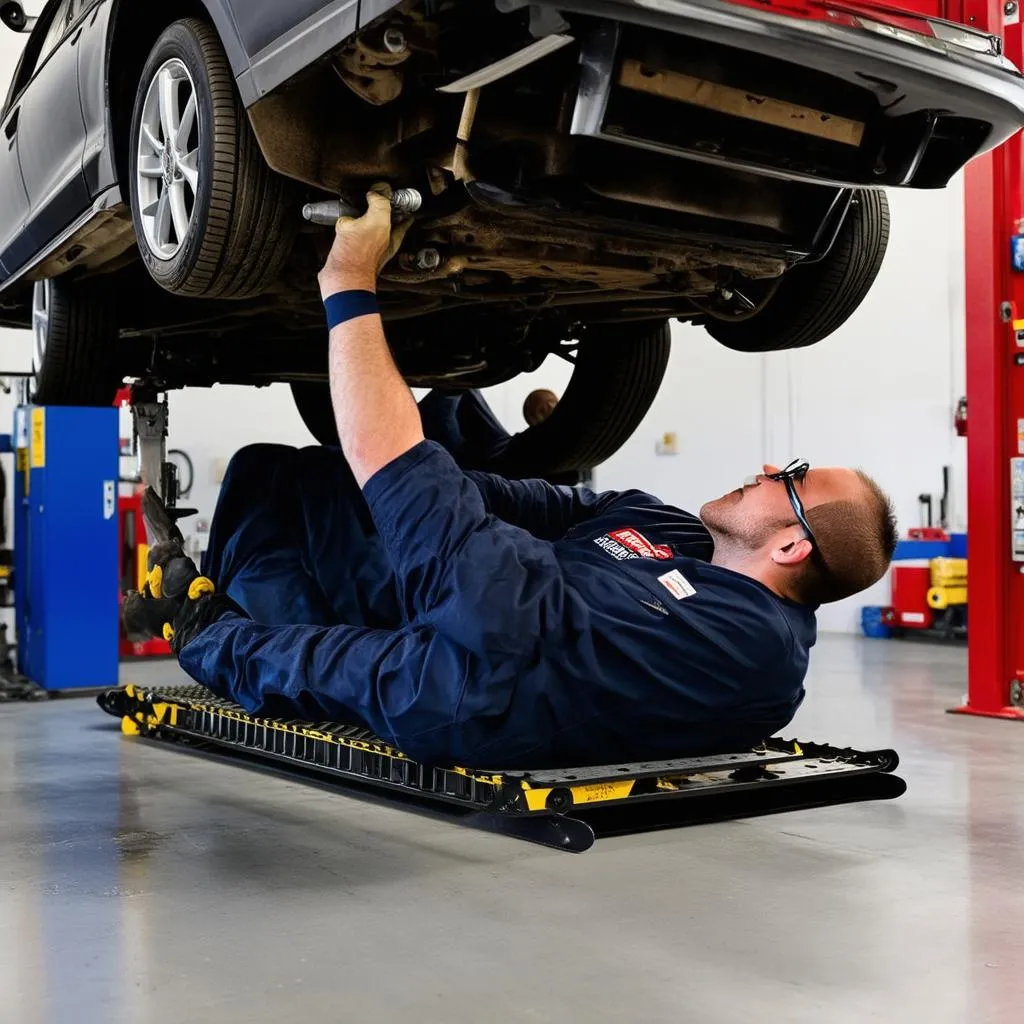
x=394 y=40
x=427 y=259
x=406 y=200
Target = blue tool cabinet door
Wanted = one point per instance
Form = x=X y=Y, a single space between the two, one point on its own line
x=69 y=625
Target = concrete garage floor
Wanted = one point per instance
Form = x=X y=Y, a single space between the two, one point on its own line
x=141 y=885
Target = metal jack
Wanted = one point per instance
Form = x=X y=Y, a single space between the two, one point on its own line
x=149 y=427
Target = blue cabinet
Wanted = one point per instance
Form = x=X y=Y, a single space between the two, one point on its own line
x=66 y=540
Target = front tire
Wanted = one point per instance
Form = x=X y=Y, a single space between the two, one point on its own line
x=74 y=338
x=211 y=218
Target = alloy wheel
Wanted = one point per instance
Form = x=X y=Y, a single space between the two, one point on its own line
x=167 y=175
x=41 y=302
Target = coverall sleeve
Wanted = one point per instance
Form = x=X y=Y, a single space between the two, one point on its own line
x=545 y=510
x=486 y=585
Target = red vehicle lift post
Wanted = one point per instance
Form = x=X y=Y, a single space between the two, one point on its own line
x=994 y=208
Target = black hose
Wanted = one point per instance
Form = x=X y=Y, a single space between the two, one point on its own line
x=184 y=490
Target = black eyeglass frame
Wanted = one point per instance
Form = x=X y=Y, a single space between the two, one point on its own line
x=792 y=475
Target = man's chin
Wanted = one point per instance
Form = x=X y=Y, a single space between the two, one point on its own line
x=711 y=508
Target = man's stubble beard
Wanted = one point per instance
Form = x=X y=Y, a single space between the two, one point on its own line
x=735 y=533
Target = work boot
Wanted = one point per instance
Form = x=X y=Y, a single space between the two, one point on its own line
x=174 y=590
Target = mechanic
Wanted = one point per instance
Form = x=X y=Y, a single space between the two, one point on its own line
x=475 y=620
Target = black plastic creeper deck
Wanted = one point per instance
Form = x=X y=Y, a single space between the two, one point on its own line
x=563 y=808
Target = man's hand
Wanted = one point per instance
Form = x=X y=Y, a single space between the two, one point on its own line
x=362 y=246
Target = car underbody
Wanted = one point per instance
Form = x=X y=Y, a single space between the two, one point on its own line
x=537 y=221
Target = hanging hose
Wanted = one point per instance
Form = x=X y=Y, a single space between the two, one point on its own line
x=184 y=490
x=460 y=164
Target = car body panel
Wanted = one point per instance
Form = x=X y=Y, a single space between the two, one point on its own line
x=264 y=23
x=371 y=10
x=102 y=207
x=98 y=154
x=13 y=194
x=301 y=43
x=51 y=157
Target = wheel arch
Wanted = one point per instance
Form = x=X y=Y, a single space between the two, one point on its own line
x=134 y=28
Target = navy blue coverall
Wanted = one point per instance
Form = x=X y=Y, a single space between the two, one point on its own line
x=474 y=620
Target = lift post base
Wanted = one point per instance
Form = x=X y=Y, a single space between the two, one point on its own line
x=563 y=808
x=1015 y=714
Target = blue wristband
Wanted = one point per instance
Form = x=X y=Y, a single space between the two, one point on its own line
x=343 y=306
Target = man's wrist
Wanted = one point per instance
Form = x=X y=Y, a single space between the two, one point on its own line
x=347 y=283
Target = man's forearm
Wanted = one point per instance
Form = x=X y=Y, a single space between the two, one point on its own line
x=374 y=409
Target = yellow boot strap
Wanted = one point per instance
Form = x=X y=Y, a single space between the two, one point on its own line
x=168 y=632
x=155 y=580
x=200 y=586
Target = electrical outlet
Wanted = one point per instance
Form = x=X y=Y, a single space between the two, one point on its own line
x=667 y=444
x=220 y=468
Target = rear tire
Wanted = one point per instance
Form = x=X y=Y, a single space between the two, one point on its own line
x=229 y=222
x=813 y=301
x=74 y=336
x=618 y=372
x=313 y=402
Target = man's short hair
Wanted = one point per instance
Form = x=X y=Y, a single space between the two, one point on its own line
x=856 y=542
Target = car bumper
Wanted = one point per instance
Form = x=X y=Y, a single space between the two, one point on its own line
x=981 y=98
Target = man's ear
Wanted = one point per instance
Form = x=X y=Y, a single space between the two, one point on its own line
x=793 y=553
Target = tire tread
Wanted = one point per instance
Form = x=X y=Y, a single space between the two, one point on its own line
x=813 y=301
x=82 y=332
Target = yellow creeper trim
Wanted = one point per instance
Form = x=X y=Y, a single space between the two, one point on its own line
x=168 y=632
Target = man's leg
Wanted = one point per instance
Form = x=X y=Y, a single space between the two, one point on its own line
x=465 y=425
x=293 y=542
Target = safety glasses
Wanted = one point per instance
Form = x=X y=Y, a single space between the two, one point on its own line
x=792 y=475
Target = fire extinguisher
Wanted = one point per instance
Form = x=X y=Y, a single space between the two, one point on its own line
x=960 y=418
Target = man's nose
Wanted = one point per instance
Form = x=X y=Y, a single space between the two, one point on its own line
x=769 y=470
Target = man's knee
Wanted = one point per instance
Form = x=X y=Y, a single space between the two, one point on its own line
x=257 y=464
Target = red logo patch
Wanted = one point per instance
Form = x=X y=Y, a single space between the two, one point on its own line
x=639 y=544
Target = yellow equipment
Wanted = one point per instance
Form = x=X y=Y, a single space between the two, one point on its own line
x=949 y=583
